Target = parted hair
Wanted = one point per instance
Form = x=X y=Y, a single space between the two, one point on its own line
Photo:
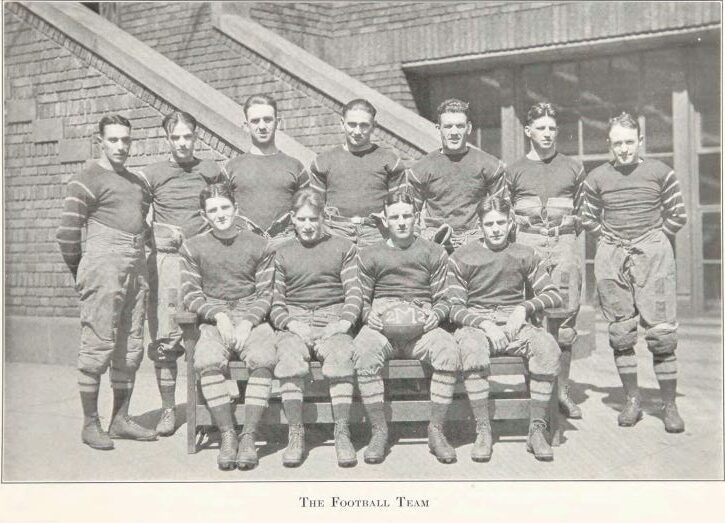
x=260 y=99
x=311 y=197
x=540 y=109
x=112 y=119
x=494 y=203
x=361 y=104
x=171 y=119
x=401 y=195
x=453 y=105
x=216 y=190
x=624 y=120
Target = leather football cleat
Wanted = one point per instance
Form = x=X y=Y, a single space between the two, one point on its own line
x=167 y=423
x=567 y=406
x=247 y=454
x=123 y=427
x=673 y=421
x=375 y=452
x=439 y=446
x=537 y=442
x=483 y=446
x=631 y=413
x=346 y=455
x=227 y=450
x=94 y=436
x=294 y=454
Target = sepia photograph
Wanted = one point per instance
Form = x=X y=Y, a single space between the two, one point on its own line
x=259 y=242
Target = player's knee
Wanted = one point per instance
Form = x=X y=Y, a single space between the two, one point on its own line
x=623 y=333
x=545 y=354
x=92 y=363
x=661 y=338
x=474 y=349
x=444 y=354
x=292 y=357
x=207 y=359
x=338 y=359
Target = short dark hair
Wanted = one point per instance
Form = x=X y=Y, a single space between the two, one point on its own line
x=494 y=203
x=112 y=119
x=171 y=119
x=260 y=99
x=453 y=105
x=539 y=110
x=216 y=190
x=400 y=195
x=359 y=103
x=311 y=197
x=624 y=120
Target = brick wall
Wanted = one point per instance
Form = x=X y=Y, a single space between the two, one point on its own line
x=53 y=101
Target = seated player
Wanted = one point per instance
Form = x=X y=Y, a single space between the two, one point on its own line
x=404 y=270
x=316 y=302
x=486 y=285
x=227 y=281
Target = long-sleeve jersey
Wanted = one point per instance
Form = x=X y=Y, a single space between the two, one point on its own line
x=175 y=191
x=481 y=278
x=557 y=177
x=628 y=201
x=316 y=276
x=265 y=184
x=452 y=185
x=119 y=200
x=357 y=183
x=415 y=273
x=229 y=270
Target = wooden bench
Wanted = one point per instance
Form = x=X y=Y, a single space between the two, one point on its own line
x=407 y=403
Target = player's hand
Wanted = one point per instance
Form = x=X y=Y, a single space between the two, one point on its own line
x=431 y=322
x=374 y=321
x=515 y=322
x=336 y=327
x=241 y=333
x=496 y=335
x=301 y=329
x=225 y=327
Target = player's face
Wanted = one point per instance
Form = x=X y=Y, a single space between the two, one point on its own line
x=624 y=143
x=182 y=140
x=116 y=143
x=542 y=133
x=308 y=224
x=399 y=219
x=496 y=227
x=455 y=129
x=262 y=123
x=358 y=126
x=219 y=212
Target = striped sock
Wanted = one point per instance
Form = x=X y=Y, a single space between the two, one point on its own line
x=376 y=414
x=89 y=385
x=166 y=381
x=477 y=387
x=540 y=389
x=291 y=389
x=442 y=386
x=626 y=362
x=666 y=371
x=215 y=393
x=256 y=398
x=372 y=389
x=122 y=385
x=341 y=398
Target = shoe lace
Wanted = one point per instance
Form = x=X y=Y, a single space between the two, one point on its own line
x=296 y=435
x=342 y=428
x=538 y=425
x=227 y=437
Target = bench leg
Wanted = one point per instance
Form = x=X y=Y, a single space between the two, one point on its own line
x=191 y=394
x=554 y=416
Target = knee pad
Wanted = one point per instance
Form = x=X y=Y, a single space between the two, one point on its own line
x=444 y=354
x=623 y=333
x=337 y=354
x=263 y=355
x=474 y=349
x=545 y=354
x=292 y=357
x=566 y=336
x=661 y=338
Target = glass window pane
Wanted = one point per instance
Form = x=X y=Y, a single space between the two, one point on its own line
x=712 y=283
x=709 y=179
x=706 y=75
x=567 y=141
x=658 y=124
x=595 y=121
x=536 y=83
x=565 y=84
x=660 y=70
x=711 y=236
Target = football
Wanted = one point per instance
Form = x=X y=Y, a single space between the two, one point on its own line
x=403 y=322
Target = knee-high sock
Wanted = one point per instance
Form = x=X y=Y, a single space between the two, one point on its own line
x=666 y=371
x=292 y=396
x=626 y=362
x=565 y=369
x=89 y=385
x=341 y=398
x=477 y=388
x=442 y=386
x=540 y=390
x=166 y=381
x=256 y=398
x=372 y=392
x=215 y=393
x=122 y=382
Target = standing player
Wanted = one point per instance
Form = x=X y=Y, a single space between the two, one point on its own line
x=227 y=281
x=357 y=177
x=175 y=185
x=636 y=207
x=110 y=277
x=316 y=301
x=265 y=178
x=487 y=283
x=404 y=270
x=452 y=181
x=545 y=188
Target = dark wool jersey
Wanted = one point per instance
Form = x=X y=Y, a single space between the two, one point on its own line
x=628 y=201
x=418 y=272
x=357 y=183
x=316 y=276
x=480 y=277
x=227 y=269
x=118 y=200
x=264 y=185
x=175 y=191
x=451 y=186
x=557 y=177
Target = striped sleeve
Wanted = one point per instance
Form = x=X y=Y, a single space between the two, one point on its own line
x=367 y=286
x=546 y=295
x=279 y=315
x=579 y=189
x=264 y=282
x=396 y=175
x=438 y=284
x=674 y=215
x=78 y=203
x=194 y=298
x=318 y=176
x=458 y=296
x=302 y=179
x=496 y=184
x=591 y=208
x=417 y=187
x=351 y=286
